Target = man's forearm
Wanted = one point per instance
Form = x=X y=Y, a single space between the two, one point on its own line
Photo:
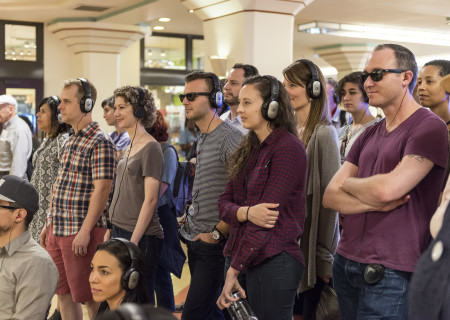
x=369 y=190
x=344 y=203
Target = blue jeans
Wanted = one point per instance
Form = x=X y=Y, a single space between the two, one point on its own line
x=386 y=299
x=164 y=289
x=272 y=286
x=151 y=247
x=206 y=265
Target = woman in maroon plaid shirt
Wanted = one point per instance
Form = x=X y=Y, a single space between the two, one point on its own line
x=264 y=202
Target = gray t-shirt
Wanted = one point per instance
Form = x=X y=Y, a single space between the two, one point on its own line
x=129 y=190
x=213 y=150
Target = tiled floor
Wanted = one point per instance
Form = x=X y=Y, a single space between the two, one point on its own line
x=180 y=288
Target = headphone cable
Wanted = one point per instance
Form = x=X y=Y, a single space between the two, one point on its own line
x=109 y=220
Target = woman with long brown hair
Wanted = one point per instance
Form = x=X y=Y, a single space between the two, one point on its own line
x=305 y=85
x=263 y=202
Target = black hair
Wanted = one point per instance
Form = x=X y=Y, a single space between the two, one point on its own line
x=109 y=102
x=149 y=311
x=56 y=127
x=120 y=251
x=249 y=70
x=443 y=65
x=356 y=78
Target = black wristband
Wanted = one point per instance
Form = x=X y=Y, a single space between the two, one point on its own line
x=248 y=209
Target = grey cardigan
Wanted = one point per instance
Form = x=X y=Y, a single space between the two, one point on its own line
x=321 y=230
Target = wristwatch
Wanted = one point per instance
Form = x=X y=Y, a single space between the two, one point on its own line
x=217 y=235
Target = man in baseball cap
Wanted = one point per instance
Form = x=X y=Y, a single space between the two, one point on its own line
x=26 y=269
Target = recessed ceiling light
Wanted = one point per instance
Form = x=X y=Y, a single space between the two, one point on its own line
x=158 y=28
x=191 y=11
x=164 y=19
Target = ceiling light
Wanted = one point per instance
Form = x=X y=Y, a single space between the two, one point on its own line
x=163 y=53
x=191 y=11
x=158 y=28
x=21 y=53
x=149 y=52
x=376 y=33
x=164 y=19
x=448 y=20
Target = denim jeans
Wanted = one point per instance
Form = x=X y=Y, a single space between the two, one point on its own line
x=164 y=289
x=272 y=286
x=206 y=265
x=151 y=248
x=386 y=299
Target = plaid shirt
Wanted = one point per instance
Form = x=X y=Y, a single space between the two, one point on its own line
x=275 y=173
x=88 y=155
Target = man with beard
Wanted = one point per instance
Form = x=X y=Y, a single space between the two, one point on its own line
x=233 y=84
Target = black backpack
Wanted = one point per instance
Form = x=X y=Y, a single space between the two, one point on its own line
x=183 y=183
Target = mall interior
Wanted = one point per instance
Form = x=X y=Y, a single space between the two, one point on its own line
x=155 y=43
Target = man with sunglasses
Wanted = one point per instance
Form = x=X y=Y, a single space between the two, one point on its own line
x=203 y=232
x=388 y=189
x=28 y=276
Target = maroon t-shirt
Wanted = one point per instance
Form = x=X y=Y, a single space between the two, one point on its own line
x=396 y=238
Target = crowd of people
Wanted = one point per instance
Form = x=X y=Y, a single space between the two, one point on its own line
x=292 y=196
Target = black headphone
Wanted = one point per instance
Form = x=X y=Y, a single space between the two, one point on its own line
x=130 y=277
x=313 y=87
x=269 y=108
x=216 y=95
x=86 y=102
x=54 y=100
x=140 y=112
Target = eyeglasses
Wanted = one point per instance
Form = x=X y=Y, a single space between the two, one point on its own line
x=9 y=207
x=377 y=75
x=192 y=95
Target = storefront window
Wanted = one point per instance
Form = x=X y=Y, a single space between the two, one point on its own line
x=20 y=42
x=198 y=54
x=165 y=52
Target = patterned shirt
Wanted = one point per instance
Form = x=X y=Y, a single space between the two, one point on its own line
x=45 y=163
x=89 y=155
x=275 y=173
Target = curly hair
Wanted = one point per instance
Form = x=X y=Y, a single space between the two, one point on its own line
x=131 y=95
x=285 y=119
x=159 y=128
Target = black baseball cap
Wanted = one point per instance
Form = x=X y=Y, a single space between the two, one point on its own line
x=20 y=191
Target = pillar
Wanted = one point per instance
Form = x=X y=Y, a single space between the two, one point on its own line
x=259 y=32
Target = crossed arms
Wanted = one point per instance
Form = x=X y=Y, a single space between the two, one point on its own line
x=348 y=194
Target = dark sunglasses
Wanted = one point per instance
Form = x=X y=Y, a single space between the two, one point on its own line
x=377 y=75
x=192 y=95
x=8 y=207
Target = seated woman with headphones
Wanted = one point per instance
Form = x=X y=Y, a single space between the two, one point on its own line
x=264 y=202
x=117 y=275
x=132 y=213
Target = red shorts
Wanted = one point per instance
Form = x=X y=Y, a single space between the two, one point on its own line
x=73 y=270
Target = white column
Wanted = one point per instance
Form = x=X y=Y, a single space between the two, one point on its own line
x=254 y=32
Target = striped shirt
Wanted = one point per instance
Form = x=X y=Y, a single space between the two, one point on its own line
x=89 y=155
x=213 y=150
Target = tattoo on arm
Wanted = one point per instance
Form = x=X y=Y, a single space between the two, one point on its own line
x=418 y=158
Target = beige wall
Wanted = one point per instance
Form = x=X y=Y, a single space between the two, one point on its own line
x=106 y=71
